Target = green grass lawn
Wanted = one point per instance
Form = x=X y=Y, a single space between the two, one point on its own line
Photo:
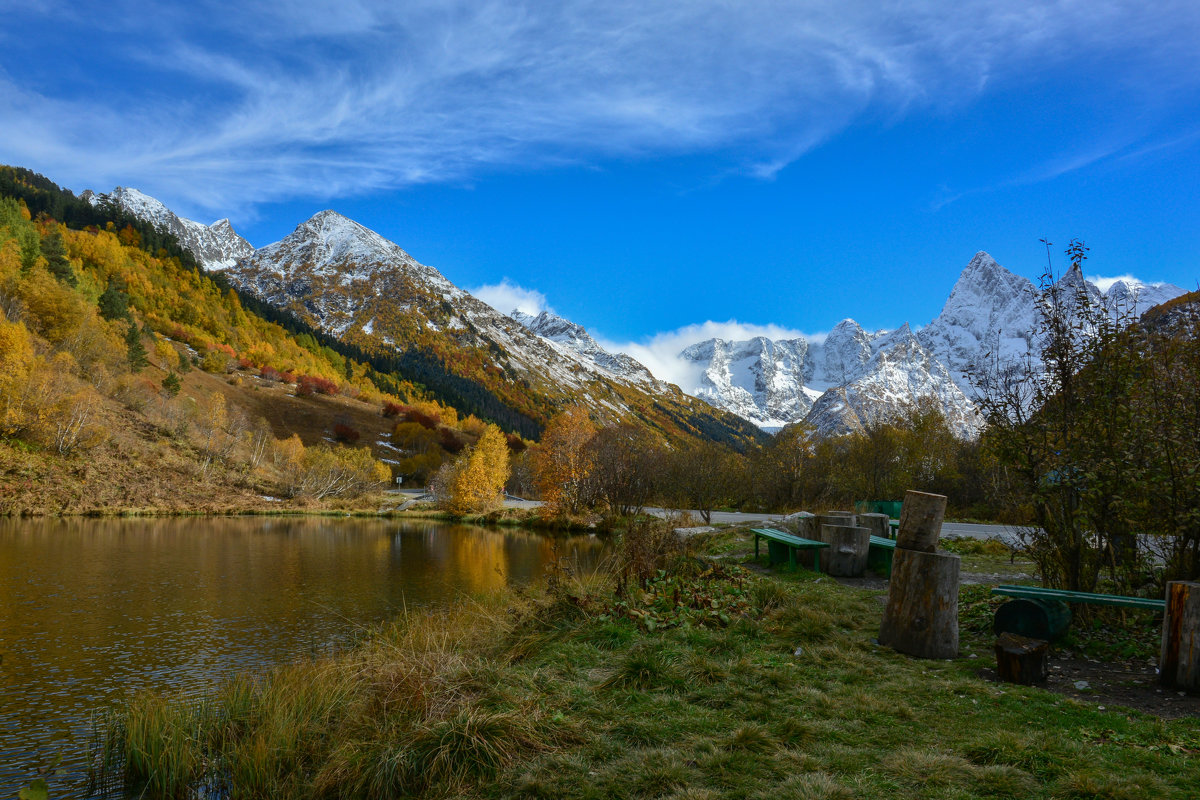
x=702 y=682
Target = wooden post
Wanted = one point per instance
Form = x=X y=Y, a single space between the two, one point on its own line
x=880 y=524
x=1022 y=660
x=921 y=521
x=921 y=617
x=848 y=548
x=1179 y=663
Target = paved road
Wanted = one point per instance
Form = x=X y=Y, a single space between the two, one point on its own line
x=723 y=517
x=962 y=529
x=967 y=530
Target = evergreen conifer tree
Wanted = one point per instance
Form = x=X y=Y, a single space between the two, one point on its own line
x=136 y=350
x=114 y=303
x=171 y=384
x=56 y=258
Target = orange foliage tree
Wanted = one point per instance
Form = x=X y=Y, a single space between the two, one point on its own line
x=561 y=462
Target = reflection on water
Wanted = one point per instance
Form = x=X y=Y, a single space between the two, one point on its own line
x=93 y=610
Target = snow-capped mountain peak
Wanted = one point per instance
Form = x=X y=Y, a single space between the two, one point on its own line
x=216 y=246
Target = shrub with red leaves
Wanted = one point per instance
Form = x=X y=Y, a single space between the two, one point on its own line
x=308 y=385
x=245 y=363
x=422 y=419
x=393 y=409
x=270 y=374
x=345 y=434
x=450 y=440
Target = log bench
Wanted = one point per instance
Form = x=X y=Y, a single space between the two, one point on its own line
x=879 y=557
x=1041 y=613
x=780 y=541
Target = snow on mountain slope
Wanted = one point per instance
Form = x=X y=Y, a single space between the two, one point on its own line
x=352 y=283
x=576 y=339
x=348 y=279
x=841 y=358
x=759 y=380
x=990 y=313
x=1131 y=299
x=900 y=373
x=215 y=246
x=990 y=310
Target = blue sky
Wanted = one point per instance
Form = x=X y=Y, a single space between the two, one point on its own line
x=642 y=167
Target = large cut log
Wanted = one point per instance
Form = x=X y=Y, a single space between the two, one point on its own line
x=921 y=616
x=805 y=526
x=829 y=518
x=1020 y=659
x=921 y=521
x=1179 y=663
x=879 y=524
x=847 y=551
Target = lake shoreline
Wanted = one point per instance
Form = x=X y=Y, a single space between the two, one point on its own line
x=681 y=674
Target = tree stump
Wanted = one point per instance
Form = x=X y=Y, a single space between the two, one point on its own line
x=879 y=524
x=921 y=617
x=1179 y=663
x=847 y=551
x=921 y=521
x=807 y=527
x=829 y=518
x=1020 y=659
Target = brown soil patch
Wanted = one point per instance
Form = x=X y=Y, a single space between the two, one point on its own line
x=1128 y=684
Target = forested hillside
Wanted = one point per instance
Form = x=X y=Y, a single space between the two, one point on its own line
x=129 y=379
x=132 y=379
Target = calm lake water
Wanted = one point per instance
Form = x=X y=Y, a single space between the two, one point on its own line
x=92 y=611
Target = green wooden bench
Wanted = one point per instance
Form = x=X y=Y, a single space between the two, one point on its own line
x=781 y=544
x=1041 y=613
x=879 y=554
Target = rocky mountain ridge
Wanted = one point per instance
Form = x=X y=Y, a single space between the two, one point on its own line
x=353 y=283
x=217 y=246
x=853 y=377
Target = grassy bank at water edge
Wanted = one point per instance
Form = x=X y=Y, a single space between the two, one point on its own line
x=666 y=676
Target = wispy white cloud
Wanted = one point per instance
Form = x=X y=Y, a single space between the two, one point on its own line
x=240 y=104
x=1104 y=284
x=660 y=353
x=507 y=297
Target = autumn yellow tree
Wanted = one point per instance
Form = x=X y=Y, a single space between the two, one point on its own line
x=561 y=462
x=474 y=482
x=325 y=471
x=16 y=364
